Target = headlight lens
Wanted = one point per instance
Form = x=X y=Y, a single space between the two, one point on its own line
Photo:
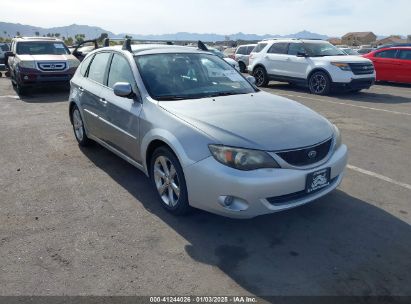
x=27 y=64
x=242 y=159
x=342 y=66
x=73 y=63
x=337 y=136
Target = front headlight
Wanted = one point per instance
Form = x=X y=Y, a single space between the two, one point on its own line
x=73 y=63
x=242 y=159
x=337 y=136
x=27 y=64
x=342 y=66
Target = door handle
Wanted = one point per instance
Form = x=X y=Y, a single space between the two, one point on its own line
x=103 y=101
x=81 y=89
x=288 y=59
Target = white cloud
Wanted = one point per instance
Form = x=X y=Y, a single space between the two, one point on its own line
x=218 y=16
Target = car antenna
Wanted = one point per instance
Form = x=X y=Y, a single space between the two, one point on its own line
x=106 y=42
x=127 y=45
x=202 y=46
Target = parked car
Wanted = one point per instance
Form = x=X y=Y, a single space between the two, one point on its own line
x=350 y=51
x=363 y=51
x=392 y=64
x=313 y=63
x=242 y=54
x=4 y=48
x=206 y=140
x=37 y=61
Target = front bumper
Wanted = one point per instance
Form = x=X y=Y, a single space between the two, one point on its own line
x=34 y=77
x=208 y=182
x=354 y=84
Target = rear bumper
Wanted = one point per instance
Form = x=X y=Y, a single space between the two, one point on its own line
x=354 y=84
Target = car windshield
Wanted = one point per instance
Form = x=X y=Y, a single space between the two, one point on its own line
x=41 y=48
x=320 y=49
x=190 y=76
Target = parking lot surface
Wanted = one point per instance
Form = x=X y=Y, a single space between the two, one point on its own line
x=81 y=221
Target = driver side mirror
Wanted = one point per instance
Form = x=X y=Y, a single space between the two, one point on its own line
x=123 y=89
x=9 y=54
x=302 y=54
x=251 y=79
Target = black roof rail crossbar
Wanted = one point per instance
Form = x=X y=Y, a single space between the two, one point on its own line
x=127 y=45
x=106 y=42
x=202 y=46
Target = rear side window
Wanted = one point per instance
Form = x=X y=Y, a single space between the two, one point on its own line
x=386 y=54
x=120 y=71
x=278 y=48
x=98 y=67
x=405 y=54
x=241 y=50
x=250 y=49
x=259 y=47
x=84 y=65
x=296 y=48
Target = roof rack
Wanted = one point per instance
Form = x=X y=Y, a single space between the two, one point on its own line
x=37 y=38
x=128 y=42
x=285 y=38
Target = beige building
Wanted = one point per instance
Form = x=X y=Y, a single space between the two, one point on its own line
x=391 y=40
x=335 y=41
x=359 y=38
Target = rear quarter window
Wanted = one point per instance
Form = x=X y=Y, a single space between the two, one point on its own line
x=259 y=47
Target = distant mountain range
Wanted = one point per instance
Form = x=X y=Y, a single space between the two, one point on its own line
x=11 y=30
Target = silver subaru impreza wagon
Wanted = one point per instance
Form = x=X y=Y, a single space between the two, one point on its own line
x=202 y=132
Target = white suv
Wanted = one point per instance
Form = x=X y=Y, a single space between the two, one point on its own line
x=313 y=63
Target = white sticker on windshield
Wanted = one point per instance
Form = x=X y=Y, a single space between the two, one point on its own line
x=232 y=75
x=58 y=45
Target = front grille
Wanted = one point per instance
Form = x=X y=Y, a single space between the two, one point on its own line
x=362 y=68
x=291 y=197
x=51 y=66
x=307 y=156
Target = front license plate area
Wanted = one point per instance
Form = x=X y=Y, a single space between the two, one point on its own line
x=317 y=180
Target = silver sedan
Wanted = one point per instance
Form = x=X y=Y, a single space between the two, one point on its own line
x=205 y=135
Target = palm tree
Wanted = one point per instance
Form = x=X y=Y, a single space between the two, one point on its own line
x=18 y=34
x=37 y=34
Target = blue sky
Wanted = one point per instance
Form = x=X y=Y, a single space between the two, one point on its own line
x=330 y=17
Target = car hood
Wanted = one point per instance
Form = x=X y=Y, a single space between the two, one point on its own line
x=342 y=59
x=46 y=57
x=257 y=121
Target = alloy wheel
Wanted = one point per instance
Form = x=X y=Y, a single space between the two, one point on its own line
x=166 y=181
x=78 y=125
x=259 y=77
x=318 y=83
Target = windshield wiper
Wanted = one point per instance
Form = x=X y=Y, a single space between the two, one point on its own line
x=216 y=94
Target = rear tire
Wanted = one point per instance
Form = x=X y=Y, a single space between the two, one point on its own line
x=167 y=178
x=261 y=77
x=243 y=68
x=78 y=127
x=319 y=83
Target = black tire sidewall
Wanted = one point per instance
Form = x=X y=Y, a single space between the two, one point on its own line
x=265 y=82
x=85 y=141
x=182 y=207
x=328 y=84
x=243 y=68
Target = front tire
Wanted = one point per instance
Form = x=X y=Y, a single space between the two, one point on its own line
x=261 y=77
x=319 y=83
x=78 y=127
x=168 y=180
